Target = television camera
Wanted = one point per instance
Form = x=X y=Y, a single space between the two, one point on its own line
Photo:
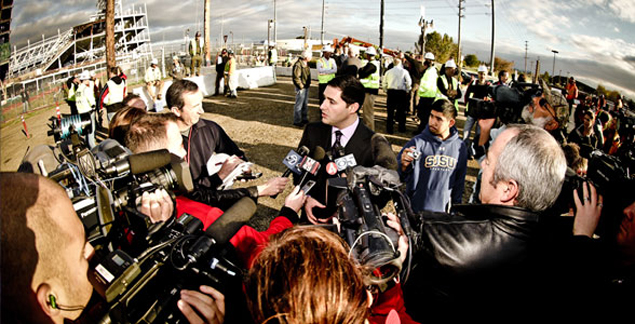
x=360 y=198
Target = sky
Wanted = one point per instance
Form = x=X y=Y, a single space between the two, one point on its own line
x=595 y=39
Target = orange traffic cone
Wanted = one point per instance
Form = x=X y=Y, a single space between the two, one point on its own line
x=57 y=111
x=26 y=131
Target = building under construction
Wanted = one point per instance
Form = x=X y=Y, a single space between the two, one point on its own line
x=84 y=45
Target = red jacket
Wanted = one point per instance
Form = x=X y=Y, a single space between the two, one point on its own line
x=247 y=241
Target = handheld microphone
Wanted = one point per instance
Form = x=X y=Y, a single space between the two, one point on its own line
x=344 y=162
x=292 y=160
x=382 y=152
x=224 y=228
x=311 y=165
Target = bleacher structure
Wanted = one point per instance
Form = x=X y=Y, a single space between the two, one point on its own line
x=85 y=44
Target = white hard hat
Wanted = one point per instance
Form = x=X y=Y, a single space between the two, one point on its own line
x=306 y=54
x=371 y=51
x=175 y=57
x=85 y=75
x=154 y=61
x=429 y=56
x=482 y=68
x=92 y=73
x=327 y=49
x=450 y=64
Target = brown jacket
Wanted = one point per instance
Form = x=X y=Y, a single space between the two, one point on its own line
x=301 y=75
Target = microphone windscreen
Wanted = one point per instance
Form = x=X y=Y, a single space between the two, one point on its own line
x=148 y=161
x=382 y=152
x=319 y=153
x=224 y=228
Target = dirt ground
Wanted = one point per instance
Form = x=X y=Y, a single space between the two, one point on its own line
x=259 y=121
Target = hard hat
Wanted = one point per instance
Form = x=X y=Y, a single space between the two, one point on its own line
x=429 y=56
x=482 y=68
x=175 y=57
x=92 y=73
x=450 y=64
x=85 y=75
x=306 y=54
x=154 y=61
x=327 y=48
x=371 y=51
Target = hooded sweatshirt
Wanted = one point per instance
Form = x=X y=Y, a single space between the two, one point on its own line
x=438 y=176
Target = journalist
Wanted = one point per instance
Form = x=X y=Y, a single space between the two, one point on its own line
x=45 y=258
x=488 y=255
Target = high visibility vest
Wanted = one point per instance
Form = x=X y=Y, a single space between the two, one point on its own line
x=230 y=67
x=115 y=92
x=372 y=81
x=328 y=64
x=85 y=98
x=274 y=56
x=196 y=48
x=70 y=93
x=454 y=86
x=428 y=83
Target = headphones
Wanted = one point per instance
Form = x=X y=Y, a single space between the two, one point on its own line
x=53 y=302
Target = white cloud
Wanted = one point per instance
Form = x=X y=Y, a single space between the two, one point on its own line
x=603 y=49
x=617 y=30
x=625 y=9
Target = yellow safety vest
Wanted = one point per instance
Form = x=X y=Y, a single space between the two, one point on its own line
x=372 y=81
x=325 y=78
x=428 y=83
x=454 y=86
x=115 y=92
x=230 y=67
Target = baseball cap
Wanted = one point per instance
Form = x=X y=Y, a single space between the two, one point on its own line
x=557 y=101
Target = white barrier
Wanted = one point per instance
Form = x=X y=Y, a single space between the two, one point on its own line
x=247 y=79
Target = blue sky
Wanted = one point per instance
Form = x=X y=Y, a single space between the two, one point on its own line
x=595 y=38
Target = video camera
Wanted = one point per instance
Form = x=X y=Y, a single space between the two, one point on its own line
x=361 y=194
x=506 y=102
x=146 y=288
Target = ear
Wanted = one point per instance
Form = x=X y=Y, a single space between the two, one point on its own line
x=510 y=191
x=43 y=294
x=452 y=122
x=176 y=111
x=354 y=107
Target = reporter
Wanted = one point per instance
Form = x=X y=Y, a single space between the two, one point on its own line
x=281 y=290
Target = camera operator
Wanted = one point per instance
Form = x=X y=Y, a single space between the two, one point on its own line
x=486 y=255
x=159 y=131
x=45 y=257
x=202 y=138
x=340 y=133
x=334 y=290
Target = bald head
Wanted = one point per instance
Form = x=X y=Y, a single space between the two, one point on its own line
x=39 y=227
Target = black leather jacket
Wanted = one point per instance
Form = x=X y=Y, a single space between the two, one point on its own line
x=482 y=255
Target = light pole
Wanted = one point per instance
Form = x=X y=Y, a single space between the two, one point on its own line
x=553 y=69
x=232 y=34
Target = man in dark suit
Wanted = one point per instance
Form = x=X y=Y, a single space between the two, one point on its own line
x=344 y=96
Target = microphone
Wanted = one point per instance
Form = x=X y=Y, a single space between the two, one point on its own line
x=292 y=159
x=140 y=163
x=311 y=165
x=382 y=152
x=224 y=228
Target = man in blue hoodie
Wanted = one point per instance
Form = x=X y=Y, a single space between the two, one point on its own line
x=433 y=164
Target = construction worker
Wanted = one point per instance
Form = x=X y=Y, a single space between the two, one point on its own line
x=231 y=76
x=85 y=100
x=273 y=56
x=70 y=89
x=369 y=77
x=154 y=84
x=196 y=52
x=326 y=68
x=448 y=86
x=114 y=91
x=427 y=91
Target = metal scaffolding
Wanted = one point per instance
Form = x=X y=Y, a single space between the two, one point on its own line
x=85 y=44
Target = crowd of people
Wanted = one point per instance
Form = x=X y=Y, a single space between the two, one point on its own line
x=500 y=255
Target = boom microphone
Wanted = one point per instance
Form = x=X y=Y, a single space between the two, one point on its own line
x=383 y=154
x=231 y=221
x=140 y=163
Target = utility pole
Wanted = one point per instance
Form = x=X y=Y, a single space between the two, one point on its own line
x=536 y=76
x=458 y=56
x=322 y=31
x=111 y=60
x=553 y=69
x=208 y=29
x=306 y=33
x=525 y=57
x=381 y=27
x=424 y=25
x=275 y=23
x=491 y=59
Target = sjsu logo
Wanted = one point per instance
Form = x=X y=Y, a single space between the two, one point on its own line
x=440 y=161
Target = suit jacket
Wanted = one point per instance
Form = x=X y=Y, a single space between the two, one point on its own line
x=319 y=134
